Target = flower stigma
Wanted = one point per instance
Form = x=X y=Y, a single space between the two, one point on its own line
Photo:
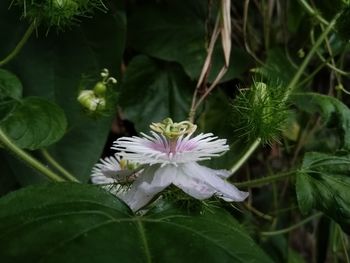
x=173 y=130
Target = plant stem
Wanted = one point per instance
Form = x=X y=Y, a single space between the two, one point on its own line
x=313 y=12
x=20 y=44
x=245 y=32
x=331 y=58
x=7 y=143
x=59 y=168
x=264 y=180
x=205 y=71
x=298 y=74
x=293 y=83
x=246 y=155
x=288 y=229
x=206 y=93
x=257 y=212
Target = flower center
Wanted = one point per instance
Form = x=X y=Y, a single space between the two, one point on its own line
x=173 y=130
x=172 y=146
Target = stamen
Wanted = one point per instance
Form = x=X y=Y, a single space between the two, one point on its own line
x=173 y=130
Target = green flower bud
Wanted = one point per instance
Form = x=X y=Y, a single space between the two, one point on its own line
x=91 y=102
x=58 y=13
x=102 y=98
x=100 y=88
x=260 y=112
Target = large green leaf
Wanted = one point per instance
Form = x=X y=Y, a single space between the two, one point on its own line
x=8 y=180
x=53 y=66
x=211 y=121
x=323 y=183
x=277 y=66
x=176 y=31
x=331 y=109
x=152 y=91
x=72 y=222
x=10 y=92
x=35 y=123
x=10 y=85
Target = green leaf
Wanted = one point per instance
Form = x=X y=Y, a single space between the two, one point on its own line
x=10 y=85
x=35 y=123
x=323 y=183
x=294 y=257
x=295 y=17
x=10 y=92
x=176 y=31
x=277 y=66
x=55 y=66
x=211 y=121
x=343 y=23
x=329 y=9
x=73 y=222
x=8 y=180
x=152 y=91
x=333 y=112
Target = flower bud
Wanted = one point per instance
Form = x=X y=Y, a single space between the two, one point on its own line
x=91 y=102
x=100 y=88
x=58 y=13
x=260 y=112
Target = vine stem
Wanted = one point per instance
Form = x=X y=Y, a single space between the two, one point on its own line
x=264 y=180
x=288 y=229
x=19 y=45
x=293 y=83
x=246 y=155
x=223 y=27
x=58 y=167
x=5 y=141
x=295 y=79
x=313 y=12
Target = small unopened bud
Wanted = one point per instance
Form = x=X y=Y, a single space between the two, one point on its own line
x=89 y=100
x=100 y=88
x=339 y=87
x=301 y=53
x=260 y=91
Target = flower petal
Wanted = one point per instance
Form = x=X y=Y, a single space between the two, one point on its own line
x=101 y=179
x=158 y=149
x=105 y=170
x=202 y=182
x=151 y=181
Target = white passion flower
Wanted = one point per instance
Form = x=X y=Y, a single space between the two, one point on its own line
x=105 y=171
x=114 y=174
x=170 y=157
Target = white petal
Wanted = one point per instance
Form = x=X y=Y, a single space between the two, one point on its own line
x=191 y=185
x=151 y=181
x=202 y=182
x=105 y=169
x=101 y=179
x=157 y=149
x=221 y=173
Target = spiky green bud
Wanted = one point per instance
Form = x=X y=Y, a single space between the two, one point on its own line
x=58 y=13
x=260 y=112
